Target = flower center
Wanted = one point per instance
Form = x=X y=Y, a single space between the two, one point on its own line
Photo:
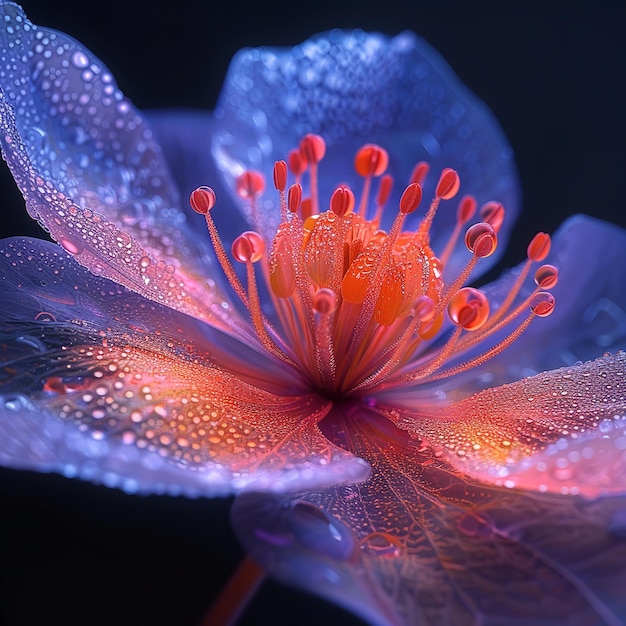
x=357 y=307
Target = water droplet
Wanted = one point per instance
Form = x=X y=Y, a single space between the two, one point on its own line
x=80 y=60
x=71 y=245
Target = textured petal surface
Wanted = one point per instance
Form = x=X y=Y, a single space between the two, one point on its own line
x=580 y=409
x=101 y=384
x=92 y=173
x=419 y=544
x=355 y=88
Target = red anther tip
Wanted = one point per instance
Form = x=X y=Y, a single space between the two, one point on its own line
x=466 y=210
x=202 y=200
x=547 y=276
x=324 y=301
x=294 y=197
x=312 y=148
x=493 y=213
x=297 y=164
x=481 y=239
x=448 y=185
x=371 y=160
x=249 y=184
x=411 y=197
x=542 y=304
x=419 y=173
x=539 y=247
x=248 y=247
x=384 y=190
x=469 y=308
x=342 y=201
x=280 y=175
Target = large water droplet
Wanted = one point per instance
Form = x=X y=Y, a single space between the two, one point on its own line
x=80 y=60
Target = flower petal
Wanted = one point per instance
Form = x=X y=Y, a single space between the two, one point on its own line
x=501 y=432
x=92 y=173
x=103 y=385
x=590 y=313
x=419 y=544
x=355 y=88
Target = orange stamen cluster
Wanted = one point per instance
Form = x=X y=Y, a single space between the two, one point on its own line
x=356 y=306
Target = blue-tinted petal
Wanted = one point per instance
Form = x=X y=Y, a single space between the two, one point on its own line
x=418 y=543
x=101 y=384
x=185 y=137
x=590 y=314
x=91 y=171
x=355 y=88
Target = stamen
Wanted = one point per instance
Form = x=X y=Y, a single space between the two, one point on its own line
x=370 y=160
x=447 y=187
x=493 y=213
x=384 y=191
x=249 y=249
x=355 y=305
x=542 y=305
x=325 y=305
x=280 y=183
x=249 y=186
x=465 y=212
x=312 y=151
x=202 y=200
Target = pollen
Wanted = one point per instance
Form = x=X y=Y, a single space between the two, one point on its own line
x=352 y=305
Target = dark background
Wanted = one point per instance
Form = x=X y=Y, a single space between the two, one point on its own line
x=552 y=72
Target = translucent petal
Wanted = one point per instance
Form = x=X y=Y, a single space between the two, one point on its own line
x=501 y=432
x=98 y=383
x=91 y=172
x=590 y=313
x=355 y=88
x=419 y=544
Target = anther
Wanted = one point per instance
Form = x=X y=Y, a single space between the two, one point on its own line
x=411 y=197
x=448 y=185
x=546 y=277
x=297 y=164
x=249 y=247
x=371 y=160
x=312 y=148
x=419 y=173
x=202 y=200
x=469 y=308
x=294 y=197
x=384 y=190
x=466 y=210
x=542 y=304
x=493 y=213
x=539 y=247
x=481 y=239
x=249 y=185
x=342 y=201
x=280 y=175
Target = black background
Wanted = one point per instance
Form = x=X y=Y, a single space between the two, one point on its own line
x=552 y=72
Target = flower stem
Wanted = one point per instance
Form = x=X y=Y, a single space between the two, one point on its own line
x=236 y=595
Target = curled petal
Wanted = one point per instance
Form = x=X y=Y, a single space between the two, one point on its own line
x=503 y=431
x=354 y=88
x=92 y=173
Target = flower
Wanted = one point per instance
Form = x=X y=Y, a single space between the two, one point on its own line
x=146 y=373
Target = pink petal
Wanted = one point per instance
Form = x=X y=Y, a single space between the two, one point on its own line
x=506 y=431
x=101 y=384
